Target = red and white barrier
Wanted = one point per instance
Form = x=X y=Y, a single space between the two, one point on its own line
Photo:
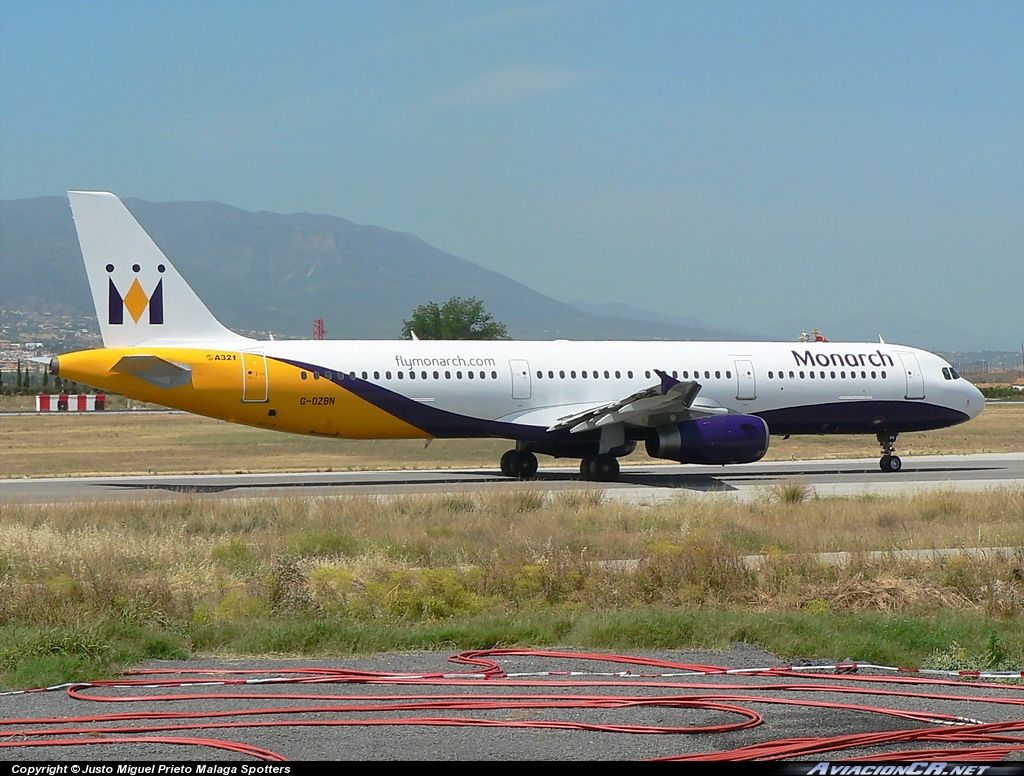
x=70 y=402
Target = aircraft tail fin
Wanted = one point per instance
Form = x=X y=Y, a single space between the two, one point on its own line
x=140 y=297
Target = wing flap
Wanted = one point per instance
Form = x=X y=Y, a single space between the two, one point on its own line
x=670 y=401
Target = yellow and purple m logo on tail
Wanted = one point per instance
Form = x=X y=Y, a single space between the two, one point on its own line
x=136 y=300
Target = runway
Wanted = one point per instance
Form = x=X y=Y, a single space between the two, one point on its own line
x=638 y=484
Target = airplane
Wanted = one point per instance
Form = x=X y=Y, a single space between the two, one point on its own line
x=689 y=402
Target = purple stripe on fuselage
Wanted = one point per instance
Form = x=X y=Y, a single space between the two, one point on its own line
x=436 y=422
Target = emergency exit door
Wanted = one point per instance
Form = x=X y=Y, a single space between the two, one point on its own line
x=255 y=385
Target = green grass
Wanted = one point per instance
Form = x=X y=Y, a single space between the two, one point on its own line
x=32 y=657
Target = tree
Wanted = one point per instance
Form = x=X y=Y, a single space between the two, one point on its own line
x=456 y=319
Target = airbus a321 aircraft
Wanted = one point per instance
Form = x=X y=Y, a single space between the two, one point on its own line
x=690 y=402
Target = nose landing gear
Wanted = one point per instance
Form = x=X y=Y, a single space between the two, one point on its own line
x=888 y=461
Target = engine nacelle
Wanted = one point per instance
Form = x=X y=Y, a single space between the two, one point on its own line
x=718 y=439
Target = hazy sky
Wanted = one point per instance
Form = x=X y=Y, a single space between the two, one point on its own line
x=738 y=162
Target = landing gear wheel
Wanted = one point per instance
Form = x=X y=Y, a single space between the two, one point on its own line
x=890 y=463
x=604 y=468
x=585 y=467
x=506 y=463
x=524 y=465
x=599 y=468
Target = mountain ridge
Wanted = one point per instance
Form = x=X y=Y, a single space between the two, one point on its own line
x=258 y=270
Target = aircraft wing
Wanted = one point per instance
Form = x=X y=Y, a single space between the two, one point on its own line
x=671 y=401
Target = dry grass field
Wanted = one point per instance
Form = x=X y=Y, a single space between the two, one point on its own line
x=73 y=444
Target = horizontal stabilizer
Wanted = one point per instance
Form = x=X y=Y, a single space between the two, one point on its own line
x=155 y=370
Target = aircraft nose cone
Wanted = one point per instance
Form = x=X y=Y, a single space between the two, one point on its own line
x=975 y=401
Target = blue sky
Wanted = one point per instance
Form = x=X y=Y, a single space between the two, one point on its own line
x=751 y=164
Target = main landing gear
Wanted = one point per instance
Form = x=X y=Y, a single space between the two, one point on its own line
x=520 y=464
x=888 y=462
x=603 y=467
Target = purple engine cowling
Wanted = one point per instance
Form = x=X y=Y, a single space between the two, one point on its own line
x=718 y=439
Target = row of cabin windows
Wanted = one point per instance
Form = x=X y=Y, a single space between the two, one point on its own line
x=617 y=374
x=412 y=375
x=833 y=374
x=584 y=374
x=482 y=375
x=948 y=373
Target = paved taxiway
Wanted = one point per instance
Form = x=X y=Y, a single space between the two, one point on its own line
x=637 y=483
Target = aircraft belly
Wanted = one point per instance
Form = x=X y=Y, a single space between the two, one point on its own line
x=860 y=417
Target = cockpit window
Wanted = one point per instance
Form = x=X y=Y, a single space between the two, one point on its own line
x=950 y=373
